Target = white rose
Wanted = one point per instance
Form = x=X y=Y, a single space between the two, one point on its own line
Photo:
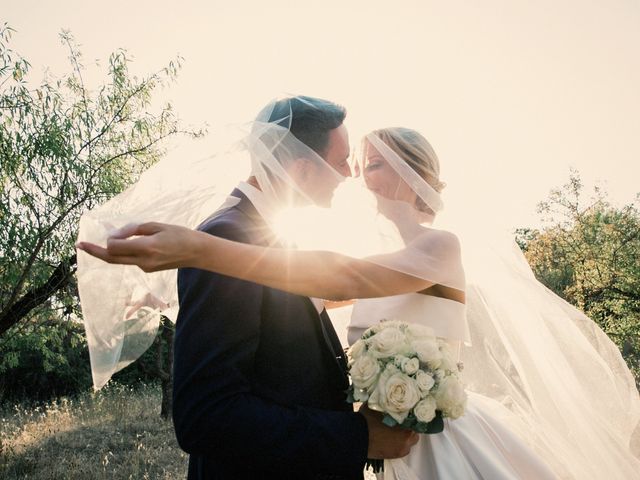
x=398 y=360
x=387 y=343
x=425 y=382
x=450 y=396
x=391 y=323
x=396 y=394
x=374 y=395
x=447 y=362
x=373 y=401
x=456 y=412
x=372 y=330
x=357 y=349
x=415 y=331
x=428 y=351
x=425 y=410
x=364 y=372
x=410 y=365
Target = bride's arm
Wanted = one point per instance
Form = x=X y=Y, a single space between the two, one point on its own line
x=320 y=274
x=329 y=304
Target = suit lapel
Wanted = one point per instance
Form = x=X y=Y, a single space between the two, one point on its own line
x=246 y=207
x=335 y=347
x=266 y=237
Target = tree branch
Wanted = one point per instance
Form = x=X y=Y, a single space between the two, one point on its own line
x=58 y=279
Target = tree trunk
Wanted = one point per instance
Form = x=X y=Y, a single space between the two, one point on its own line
x=59 y=278
x=166 y=373
x=162 y=365
x=166 y=407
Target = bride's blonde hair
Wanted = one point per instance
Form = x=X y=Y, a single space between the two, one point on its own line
x=417 y=152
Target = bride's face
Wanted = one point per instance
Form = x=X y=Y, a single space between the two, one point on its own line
x=382 y=179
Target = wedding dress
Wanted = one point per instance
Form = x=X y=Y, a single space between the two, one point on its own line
x=544 y=381
x=480 y=444
x=550 y=395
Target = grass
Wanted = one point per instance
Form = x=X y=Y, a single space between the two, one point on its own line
x=116 y=433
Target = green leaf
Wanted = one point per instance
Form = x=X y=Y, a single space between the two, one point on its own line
x=389 y=421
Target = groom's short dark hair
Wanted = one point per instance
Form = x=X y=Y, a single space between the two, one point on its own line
x=311 y=119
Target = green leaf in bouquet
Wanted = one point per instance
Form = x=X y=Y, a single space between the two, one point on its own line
x=436 y=425
x=389 y=421
x=350 y=398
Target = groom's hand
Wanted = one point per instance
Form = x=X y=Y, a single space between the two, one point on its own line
x=384 y=441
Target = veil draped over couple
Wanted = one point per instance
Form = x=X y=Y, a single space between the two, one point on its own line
x=268 y=234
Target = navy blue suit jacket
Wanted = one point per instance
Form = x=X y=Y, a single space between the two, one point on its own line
x=259 y=375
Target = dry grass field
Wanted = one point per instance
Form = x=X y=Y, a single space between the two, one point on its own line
x=114 y=434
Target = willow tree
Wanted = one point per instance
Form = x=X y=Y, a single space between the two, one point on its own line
x=64 y=148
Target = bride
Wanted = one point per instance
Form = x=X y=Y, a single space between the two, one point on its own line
x=549 y=395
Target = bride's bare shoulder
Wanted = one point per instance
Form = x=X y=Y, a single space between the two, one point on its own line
x=439 y=242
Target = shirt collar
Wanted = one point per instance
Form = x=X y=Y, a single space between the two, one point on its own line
x=266 y=208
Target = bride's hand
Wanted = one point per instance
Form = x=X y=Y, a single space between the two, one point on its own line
x=155 y=246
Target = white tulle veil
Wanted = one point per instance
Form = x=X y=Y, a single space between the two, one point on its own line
x=570 y=394
x=121 y=305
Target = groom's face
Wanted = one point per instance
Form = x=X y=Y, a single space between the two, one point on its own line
x=337 y=152
x=336 y=155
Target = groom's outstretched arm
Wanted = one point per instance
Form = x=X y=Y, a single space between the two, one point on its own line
x=215 y=412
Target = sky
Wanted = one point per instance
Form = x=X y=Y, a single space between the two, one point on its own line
x=512 y=94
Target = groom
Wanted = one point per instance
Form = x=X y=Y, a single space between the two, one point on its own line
x=259 y=374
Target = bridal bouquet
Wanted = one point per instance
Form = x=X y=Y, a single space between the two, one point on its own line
x=405 y=372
